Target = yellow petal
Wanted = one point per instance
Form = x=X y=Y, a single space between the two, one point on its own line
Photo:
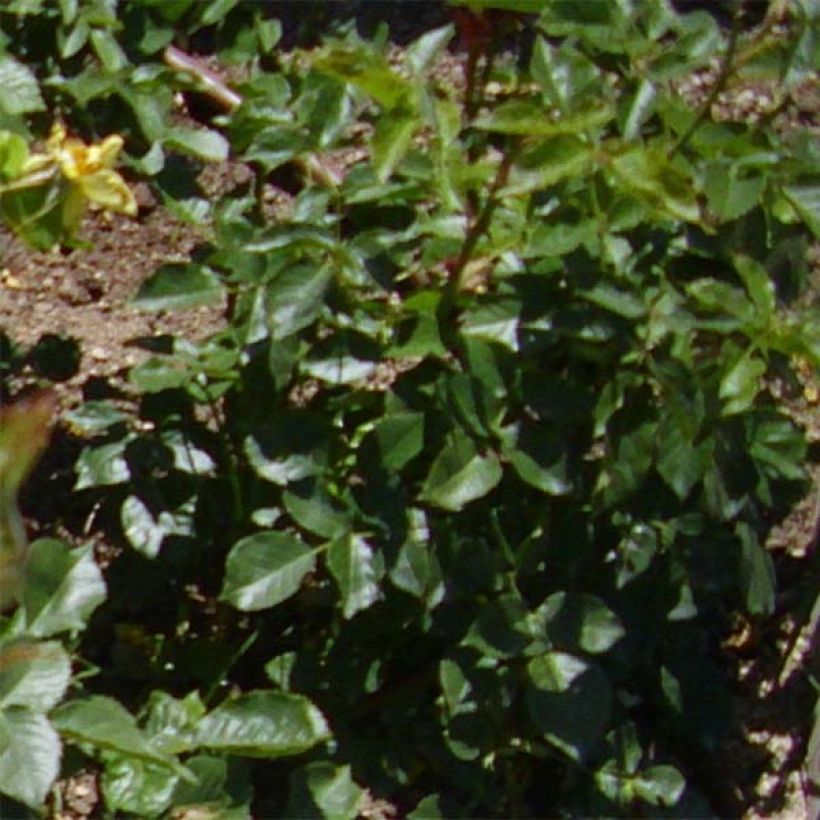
x=56 y=138
x=107 y=189
x=106 y=152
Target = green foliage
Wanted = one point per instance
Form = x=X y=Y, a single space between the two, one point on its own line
x=457 y=506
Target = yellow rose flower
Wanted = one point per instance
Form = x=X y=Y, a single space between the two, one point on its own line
x=89 y=167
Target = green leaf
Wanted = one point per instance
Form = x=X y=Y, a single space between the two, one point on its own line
x=548 y=162
x=391 y=140
x=570 y=701
x=539 y=457
x=323 y=789
x=428 y=808
x=13 y=154
x=639 y=108
x=339 y=369
x=417 y=570
x=400 y=437
x=650 y=175
x=108 y=50
x=292 y=451
x=567 y=77
x=264 y=569
x=137 y=786
x=460 y=474
x=659 y=785
x=777 y=446
x=62 y=588
x=501 y=629
x=682 y=463
x=729 y=196
x=806 y=201
x=146 y=531
x=155 y=375
x=105 y=723
x=576 y=621
x=29 y=756
x=211 y=775
x=264 y=724
x=314 y=511
x=532 y=119
x=295 y=298
x=21 y=93
x=203 y=143
x=170 y=721
x=496 y=321
x=759 y=285
x=93 y=417
x=33 y=674
x=368 y=71
x=216 y=11
x=757 y=576
x=741 y=384
x=179 y=286
x=358 y=571
x=421 y=53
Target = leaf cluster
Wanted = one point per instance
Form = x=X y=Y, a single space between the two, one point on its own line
x=458 y=505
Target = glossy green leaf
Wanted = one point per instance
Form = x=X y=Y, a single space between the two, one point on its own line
x=501 y=629
x=759 y=286
x=460 y=474
x=576 y=621
x=806 y=201
x=13 y=154
x=295 y=298
x=358 y=570
x=570 y=701
x=324 y=789
x=417 y=569
x=263 y=724
x=264 y=569
x=30 y=754
x=566 y=76
x=137 y=786
x=178 y=286
x=539 y=457
x=421 y=53
x=21 y=93
x=62 y=588
x=146 y=531
x=33 y=674
x=428 y=808
x=314 y=511
x=106 y=724
x=729 y=196
x=648 y=174
x=94 y=417
x=494 y=322
x=203 y=143
x=638 y=109
x=660 y=785
x=741 y=384
x=531 y=118
x=400 y=437
x=368 y=71
x=391 y=140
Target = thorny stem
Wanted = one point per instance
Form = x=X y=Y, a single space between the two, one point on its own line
x=720 y=83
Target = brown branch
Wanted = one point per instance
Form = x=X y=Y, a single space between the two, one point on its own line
x=211 y=84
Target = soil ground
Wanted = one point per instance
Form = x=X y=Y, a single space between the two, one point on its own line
x=85 y=295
